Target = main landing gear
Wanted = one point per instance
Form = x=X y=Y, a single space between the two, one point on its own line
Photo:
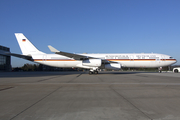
x=93 y=72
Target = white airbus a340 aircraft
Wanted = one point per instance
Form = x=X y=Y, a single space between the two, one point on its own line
x=93 y=62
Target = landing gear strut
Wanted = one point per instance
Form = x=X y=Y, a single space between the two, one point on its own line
x=160 y=69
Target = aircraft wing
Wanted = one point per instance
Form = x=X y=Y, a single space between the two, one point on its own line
x=76 y=56
x=70 y=55
x=20 y=56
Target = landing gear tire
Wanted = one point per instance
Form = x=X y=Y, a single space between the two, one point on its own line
x=95 y=72
x=90 y=72
x=176 y=71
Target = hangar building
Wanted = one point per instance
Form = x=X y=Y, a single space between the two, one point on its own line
x=5 y=60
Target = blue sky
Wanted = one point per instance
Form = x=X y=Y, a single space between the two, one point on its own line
x=92 y=26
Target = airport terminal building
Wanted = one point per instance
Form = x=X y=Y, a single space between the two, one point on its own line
x=5 y=60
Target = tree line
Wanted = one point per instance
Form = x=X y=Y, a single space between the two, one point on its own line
x=40 y=67
x=29 y=67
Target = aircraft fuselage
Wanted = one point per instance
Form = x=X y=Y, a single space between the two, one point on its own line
x=126 y=60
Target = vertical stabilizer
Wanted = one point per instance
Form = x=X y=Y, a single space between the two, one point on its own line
x=26 y=46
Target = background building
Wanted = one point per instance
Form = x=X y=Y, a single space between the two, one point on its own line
x=5 y=60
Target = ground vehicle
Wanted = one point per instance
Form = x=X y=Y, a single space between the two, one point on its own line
x=176 y=69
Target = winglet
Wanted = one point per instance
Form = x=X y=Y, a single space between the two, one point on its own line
x=52 y=49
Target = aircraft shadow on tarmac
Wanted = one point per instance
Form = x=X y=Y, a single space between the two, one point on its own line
x=54 y=73
x=123 y=72
x=37 y=74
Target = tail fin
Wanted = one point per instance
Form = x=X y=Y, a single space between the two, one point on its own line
x=26 y=46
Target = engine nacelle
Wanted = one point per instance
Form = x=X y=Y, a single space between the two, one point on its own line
x=113 y=66
x=92 y=62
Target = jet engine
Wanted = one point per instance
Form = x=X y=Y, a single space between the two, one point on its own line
x=112 y=66
x=92 y=62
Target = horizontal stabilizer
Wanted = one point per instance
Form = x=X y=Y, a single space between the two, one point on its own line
x=20 y=56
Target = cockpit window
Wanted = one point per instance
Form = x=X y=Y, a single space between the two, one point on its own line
x=171 y=57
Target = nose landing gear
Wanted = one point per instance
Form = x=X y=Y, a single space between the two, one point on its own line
x=160 y=69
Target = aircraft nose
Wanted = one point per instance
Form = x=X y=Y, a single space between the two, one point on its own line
x=175 y=61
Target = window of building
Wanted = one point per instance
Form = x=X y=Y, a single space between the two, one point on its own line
x=2 y=62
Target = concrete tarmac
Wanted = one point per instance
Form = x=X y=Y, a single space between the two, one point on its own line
x=80 y=96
